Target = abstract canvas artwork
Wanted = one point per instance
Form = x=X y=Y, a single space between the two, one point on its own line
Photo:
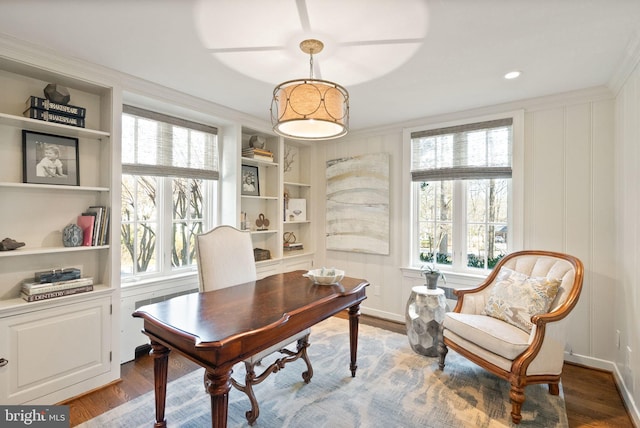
x=358 y=204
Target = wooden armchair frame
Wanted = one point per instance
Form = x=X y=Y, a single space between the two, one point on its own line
x=517 y=376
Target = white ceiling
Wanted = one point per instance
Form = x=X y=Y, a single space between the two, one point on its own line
x=399 y=59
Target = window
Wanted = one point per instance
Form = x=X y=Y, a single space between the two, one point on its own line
x=462 y=195
x=169 y=171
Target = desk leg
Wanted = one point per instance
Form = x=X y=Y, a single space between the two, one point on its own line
x=160 y=355
x=354 y=318
x=218 y=386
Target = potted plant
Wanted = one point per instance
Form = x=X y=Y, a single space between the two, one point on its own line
x=432 y=275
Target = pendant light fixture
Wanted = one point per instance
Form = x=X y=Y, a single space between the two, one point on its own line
x=310 y=109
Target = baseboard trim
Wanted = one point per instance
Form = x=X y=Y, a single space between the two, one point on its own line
x=609 y=366
x=627 y=397
x=382 y=314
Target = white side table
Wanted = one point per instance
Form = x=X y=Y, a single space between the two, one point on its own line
x=424 y=315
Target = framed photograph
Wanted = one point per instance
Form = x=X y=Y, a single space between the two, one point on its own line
x=50 y=159
x=250 y=182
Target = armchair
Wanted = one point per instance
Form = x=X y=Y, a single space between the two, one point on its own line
x=225 y=258
x=515 y=341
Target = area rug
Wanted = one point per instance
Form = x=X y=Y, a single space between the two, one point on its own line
x=394 y=387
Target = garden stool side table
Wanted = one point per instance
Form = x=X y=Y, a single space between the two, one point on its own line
x=424 y=315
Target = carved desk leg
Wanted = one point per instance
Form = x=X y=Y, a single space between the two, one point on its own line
x=218 y=386
x=160 y=355
x=354 y=318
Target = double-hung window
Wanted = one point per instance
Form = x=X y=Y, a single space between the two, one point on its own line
x=169 y=172
x=462 y=195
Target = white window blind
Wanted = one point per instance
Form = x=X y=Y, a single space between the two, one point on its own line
x=466 y=152
x=160 y=145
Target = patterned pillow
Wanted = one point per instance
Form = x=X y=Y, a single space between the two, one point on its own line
x=516 y=297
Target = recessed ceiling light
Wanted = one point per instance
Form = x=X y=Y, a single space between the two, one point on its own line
x=512 y=75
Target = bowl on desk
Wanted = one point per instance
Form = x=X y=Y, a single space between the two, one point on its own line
x=325 y=276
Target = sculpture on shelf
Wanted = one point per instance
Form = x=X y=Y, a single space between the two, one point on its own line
x=57 y=94
x=262 y=222
x=257 y=141
x=8 y=244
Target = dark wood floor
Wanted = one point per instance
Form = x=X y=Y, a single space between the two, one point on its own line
x=591 y=396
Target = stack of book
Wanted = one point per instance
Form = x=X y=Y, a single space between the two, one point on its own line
x=292 y=246
x=55 y=283
x=43 y=109
x=94 y=223
x=254 y=153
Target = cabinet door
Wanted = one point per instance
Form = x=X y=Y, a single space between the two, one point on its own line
x=51 y=349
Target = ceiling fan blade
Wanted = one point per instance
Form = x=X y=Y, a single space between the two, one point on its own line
x=246 y=49
x=303 y=13
x=380 y=42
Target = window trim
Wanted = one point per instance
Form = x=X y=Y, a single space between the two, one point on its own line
x=409 y=256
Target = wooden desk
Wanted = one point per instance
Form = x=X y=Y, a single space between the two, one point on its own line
x=218 y=329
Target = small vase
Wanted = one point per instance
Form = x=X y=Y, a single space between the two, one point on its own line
x=72 y=236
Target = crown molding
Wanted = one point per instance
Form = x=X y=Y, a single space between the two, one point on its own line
x=627 y=65
x=580 y=96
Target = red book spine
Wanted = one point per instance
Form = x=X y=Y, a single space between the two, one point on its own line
x=86 y=224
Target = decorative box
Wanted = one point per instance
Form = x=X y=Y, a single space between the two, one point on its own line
x=259 y=254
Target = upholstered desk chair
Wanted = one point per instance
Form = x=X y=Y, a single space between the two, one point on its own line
x=513 y=323
x=225 y=258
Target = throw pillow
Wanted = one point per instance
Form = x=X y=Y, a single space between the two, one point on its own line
x=516 y=297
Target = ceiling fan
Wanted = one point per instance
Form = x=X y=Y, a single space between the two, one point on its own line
x=363 y=39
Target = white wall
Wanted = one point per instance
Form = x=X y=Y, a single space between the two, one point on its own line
x=568 y=207
x=627 y=216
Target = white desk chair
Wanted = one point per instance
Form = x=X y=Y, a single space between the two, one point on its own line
x=225 y=258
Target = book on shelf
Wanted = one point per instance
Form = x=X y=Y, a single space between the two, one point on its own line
x=86 y=224
x=31 y=288
x=45 y=104
x=256 y=151
x=101 y=216
x=104 y=237
x=260 y=154
x=262 y=158
x=48 y=116
x=293 y=246
x=57 y=275
x=54 y=294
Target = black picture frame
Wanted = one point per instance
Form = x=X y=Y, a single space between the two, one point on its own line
x=250 y=184
x=61 y=168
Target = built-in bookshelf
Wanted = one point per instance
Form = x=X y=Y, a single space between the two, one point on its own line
x=284 y=177
x=78 y=326
x=262 y=203
x=298 y=201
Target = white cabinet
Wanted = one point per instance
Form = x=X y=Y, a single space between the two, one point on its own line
x=60 y=347
x=50 y=350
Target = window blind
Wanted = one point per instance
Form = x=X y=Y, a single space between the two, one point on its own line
x=167 y=146
x=465 y=152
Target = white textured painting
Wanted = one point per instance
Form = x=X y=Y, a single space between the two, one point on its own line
x=358 y=204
